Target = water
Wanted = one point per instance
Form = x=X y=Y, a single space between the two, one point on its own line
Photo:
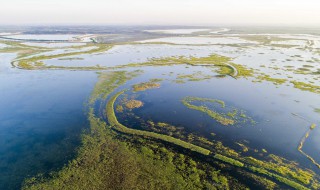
x=50 y=37
x=41 y=117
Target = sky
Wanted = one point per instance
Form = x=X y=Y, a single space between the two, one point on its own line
x=161 y=12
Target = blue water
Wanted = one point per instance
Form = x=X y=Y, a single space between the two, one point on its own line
x=42 y=114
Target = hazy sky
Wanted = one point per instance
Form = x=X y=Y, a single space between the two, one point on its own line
x=159 y=12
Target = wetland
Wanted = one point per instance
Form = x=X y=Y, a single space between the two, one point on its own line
x=185 y=108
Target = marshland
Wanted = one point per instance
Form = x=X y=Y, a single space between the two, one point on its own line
x=161 y=108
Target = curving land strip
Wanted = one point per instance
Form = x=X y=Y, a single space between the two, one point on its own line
x=119 y=127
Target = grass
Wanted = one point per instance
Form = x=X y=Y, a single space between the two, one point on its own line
x=112 y=119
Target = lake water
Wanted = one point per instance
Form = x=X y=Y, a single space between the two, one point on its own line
x=41 y=116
